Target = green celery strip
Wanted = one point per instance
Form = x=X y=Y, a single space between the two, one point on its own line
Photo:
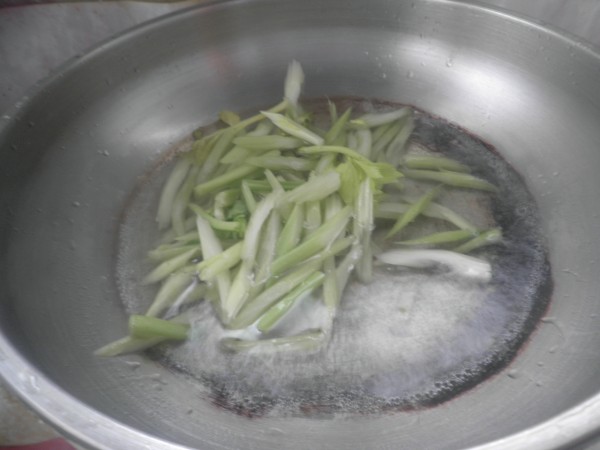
x=249 y=199
x=317 y=149
x=240 y=288
x=443 y=237
x=255 y=224
x=146 y=327
x=325 y=164
x=351 y=141
x=169 y=191
x=333 y=113
x=331 y=294
x=364 y=144
x=313 y=216
x=178 y=212
x=397 y=147
x=165 y=252
x=193 y=293
x=443 y=212
x=213 y=266
x=170 y=235
x=456 y=179
x=364 y=225
x=333 y=203
x=279 y=309
x=222 y=144
x=434 y=163
x=317 y=188
x=256 y=307
x=187 y=238
x=342 y=139
x=488 y=237
x=293 y=128
x=317 y=241
x=305 y=342
x=273 y=162
x=166 y=268
x=271 y=141
x=229 y=118
x=239 y=292
x=377 y=119
x=346 y=266
x=338 y=246
x=211 y=246
x=224 y=180
x=202 y=148
x=128 y=344
x=265 y=186
x=266 y=251
x=171 y=289
x=382 y=142
x=292 y=231
x=389 y=210
x=279 y=107
x=223 y=200
x=238 y=154
x=277 y=188
x=380 y=131
x=337 y=127
x=217 y=224
x=414 y=211
x=293 y=84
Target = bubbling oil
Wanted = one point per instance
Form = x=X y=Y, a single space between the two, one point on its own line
x=410 y=339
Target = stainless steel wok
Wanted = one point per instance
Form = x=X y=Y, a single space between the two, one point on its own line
x=73 y=151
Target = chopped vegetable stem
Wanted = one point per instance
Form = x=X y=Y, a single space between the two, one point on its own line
x=292 y=231
x=213 y=266
x=254 y=308
x=456 y=179
x=170 y=189
x=248 y=197
x=293 y=128
x=378 y=119
x=316 y=242
x=305 y=342
x=442 y=237
x=215 y=223
x=224 y=180
x=319 y=187
x=166 y=268
x=434 y=163
x=171 y=288
x=488 y=237
x=146 y=327
x=413 y=211
x=279 y=309
x=337 y=127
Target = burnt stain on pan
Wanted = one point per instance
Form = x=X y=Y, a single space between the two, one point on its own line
x=491 y=327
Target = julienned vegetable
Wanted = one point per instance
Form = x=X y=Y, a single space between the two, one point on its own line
x=271 y=211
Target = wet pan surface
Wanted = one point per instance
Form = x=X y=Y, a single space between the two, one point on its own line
x=518 y=102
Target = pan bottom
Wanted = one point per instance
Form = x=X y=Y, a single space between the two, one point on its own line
x=411 y=339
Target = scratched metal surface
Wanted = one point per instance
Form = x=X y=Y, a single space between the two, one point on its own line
x=36 y=39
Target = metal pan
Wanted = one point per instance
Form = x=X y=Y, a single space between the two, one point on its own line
x=73 y=153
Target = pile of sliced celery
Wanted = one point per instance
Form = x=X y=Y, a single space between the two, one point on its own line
x=270 y=209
